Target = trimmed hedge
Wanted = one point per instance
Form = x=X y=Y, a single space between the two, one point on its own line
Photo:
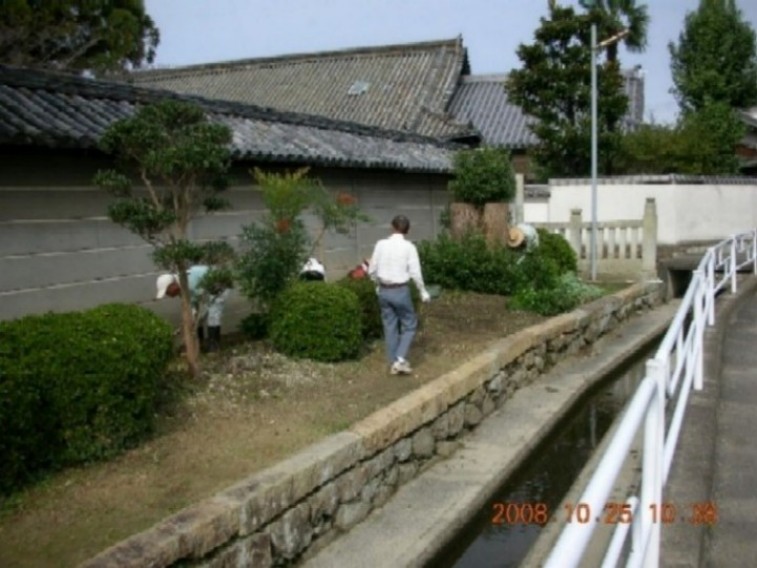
x=370 y=319
x=76 y=387
x=317 y=320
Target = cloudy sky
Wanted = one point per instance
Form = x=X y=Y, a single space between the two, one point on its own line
x=204 y=31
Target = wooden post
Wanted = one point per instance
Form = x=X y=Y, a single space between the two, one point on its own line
x=495 y=223
x=520 y=190
x=464 y=218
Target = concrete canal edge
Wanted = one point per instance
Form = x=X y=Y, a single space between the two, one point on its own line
x=387 y=461
x=429 y=511
x=691 y=473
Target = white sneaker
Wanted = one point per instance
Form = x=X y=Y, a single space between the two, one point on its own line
x=401 y=367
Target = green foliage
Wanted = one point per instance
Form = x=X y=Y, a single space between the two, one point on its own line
x=277 y=246
x=614 y=16
x=76 y=387
x=255 y=326
x=566 y=294
x=108 y=35
x=554 y=87
x=555 y=247
x=317 y=320
x=483 y=175
x=702 y=143
x=365 y=290
x=271 y=259
x=715 y=59
x=467 y=264
x=181 y=159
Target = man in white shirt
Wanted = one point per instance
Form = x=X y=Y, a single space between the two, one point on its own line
x=393 y=264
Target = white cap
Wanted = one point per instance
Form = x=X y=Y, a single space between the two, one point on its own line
x=312 y=265
x=164 y=281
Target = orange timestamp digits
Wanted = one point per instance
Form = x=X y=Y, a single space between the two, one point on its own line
x=701 y=513
x=520 y=513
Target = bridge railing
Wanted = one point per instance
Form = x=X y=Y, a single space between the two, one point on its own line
x=676 y=368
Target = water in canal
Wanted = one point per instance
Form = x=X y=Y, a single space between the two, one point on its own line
x=545 y=478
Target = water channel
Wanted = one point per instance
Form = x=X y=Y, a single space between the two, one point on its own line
x=545 y=478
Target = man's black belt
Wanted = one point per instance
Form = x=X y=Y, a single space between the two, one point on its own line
x=392 y=285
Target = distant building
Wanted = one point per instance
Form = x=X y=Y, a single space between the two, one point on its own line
x=634 y=87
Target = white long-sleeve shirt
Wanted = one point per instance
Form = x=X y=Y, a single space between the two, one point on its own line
x=395 y=261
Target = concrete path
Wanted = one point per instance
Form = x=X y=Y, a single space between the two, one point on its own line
x=716 y=462
x=425 y=513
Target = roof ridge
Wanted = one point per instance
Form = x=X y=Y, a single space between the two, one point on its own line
x=114 y=90
x=293 y=58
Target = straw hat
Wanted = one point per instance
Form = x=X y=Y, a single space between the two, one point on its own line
x=515 y=237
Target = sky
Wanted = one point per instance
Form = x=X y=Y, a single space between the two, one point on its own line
x=207 y=31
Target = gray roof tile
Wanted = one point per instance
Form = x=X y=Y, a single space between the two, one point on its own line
x=482 y=101
x=401 y=87
x=43 y=108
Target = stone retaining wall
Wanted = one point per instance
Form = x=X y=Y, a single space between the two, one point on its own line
x=277 y=516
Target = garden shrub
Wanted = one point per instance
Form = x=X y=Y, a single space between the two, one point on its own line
x=78 y=386
x=317 y=320
x=468 y=264
x=255 y=326
x=483 y=175
x=567 y=293
x=370 y=319
x=273 y=254
x=555 y=246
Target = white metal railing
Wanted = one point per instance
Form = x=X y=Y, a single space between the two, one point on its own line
x=676 y=368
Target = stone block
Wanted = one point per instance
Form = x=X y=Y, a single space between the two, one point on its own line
x=456 y=418
x=291 y=534
x=350 y=514
x=447 y=447
x=440 y=427
x=403 y=449
x=323 y=503
x=473 y=415
x=351 y=483
x=423 y=443
x=407 y=471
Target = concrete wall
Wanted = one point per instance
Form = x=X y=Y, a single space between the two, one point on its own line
x=60 y=252
x=278 y=515
x=686 y=212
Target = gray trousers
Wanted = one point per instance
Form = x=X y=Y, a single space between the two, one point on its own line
x=399 y=319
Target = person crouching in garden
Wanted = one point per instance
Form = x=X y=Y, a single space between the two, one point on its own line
x=207 y=308
x=394 y=263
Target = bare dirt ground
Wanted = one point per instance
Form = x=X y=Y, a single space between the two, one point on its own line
x=251 y=408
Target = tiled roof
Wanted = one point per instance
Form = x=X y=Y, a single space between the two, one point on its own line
x=401 y=87
x=482 y=101
x=56 y=110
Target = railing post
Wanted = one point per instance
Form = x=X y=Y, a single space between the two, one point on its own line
x=649 y=239
x=576 y=227
x=733 y=265
x=709 y=290
x=700 y=305
x=647 y=552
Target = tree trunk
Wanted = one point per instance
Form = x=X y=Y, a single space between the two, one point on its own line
x=464 y=218
x=495 y=222
x=188 y=326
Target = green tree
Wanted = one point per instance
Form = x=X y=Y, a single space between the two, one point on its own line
x=554 y=86
x=618 y=15
x=702 y=143
x=275 y=247
x=715 y=58
x=96 y=35
x=483 y=175
x=181 y=160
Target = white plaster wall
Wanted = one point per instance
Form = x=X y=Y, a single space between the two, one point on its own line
x=685 y=213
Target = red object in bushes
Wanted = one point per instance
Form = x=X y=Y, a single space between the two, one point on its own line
x=359 y=272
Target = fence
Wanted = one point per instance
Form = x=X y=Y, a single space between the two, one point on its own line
x=624 y=248
x=676 y=367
